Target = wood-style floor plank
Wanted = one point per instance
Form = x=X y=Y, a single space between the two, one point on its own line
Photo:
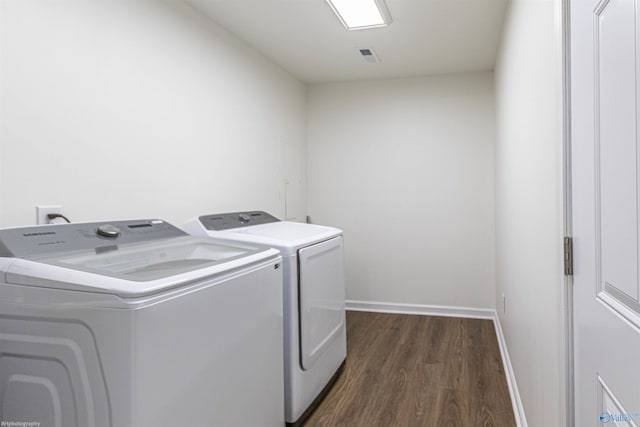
x=415 y=371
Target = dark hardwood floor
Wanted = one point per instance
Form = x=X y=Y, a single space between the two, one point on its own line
x=406 y=370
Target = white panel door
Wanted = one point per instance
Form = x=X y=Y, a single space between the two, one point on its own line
x=605 y=169
x=322 y=298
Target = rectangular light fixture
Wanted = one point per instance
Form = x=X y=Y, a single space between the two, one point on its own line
x=361 y=14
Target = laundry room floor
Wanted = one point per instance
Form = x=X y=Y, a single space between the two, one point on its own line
x=408 y=370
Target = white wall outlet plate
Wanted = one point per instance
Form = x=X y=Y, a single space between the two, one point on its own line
x=43 y=211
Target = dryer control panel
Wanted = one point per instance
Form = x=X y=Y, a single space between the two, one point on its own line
x=28 y=242
x=226 y=221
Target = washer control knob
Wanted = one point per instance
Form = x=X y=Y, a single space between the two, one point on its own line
x=244 y=218
x=108 y=230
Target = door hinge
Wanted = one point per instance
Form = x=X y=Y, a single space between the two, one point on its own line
x=568 y=256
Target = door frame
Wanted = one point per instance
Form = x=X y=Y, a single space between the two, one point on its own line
x=564 y=27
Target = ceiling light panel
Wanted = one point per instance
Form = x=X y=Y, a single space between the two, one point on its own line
x=360 y=14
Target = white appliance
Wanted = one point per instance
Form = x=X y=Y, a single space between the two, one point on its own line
x=137 y=324
x=314 y=298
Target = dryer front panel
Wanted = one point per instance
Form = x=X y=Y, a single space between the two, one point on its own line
x=322 y=298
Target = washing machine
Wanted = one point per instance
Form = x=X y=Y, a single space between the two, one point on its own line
x=137 y=324
x=314 y=298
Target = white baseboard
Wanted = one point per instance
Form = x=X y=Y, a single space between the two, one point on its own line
x=516 y=402
x=467 y=312
x=430 y=310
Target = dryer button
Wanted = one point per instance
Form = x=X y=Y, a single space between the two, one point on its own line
x=244 y=218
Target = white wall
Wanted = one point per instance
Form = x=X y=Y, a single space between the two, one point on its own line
x=120 y=108
x=406 y=169
x=529 y=209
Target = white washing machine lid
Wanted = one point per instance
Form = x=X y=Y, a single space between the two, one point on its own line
x=127 y=270
x=285 y=236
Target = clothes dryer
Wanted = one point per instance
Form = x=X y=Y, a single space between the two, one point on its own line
x=314 y=298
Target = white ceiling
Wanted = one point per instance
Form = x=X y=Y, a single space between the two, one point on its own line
x=426 y=37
